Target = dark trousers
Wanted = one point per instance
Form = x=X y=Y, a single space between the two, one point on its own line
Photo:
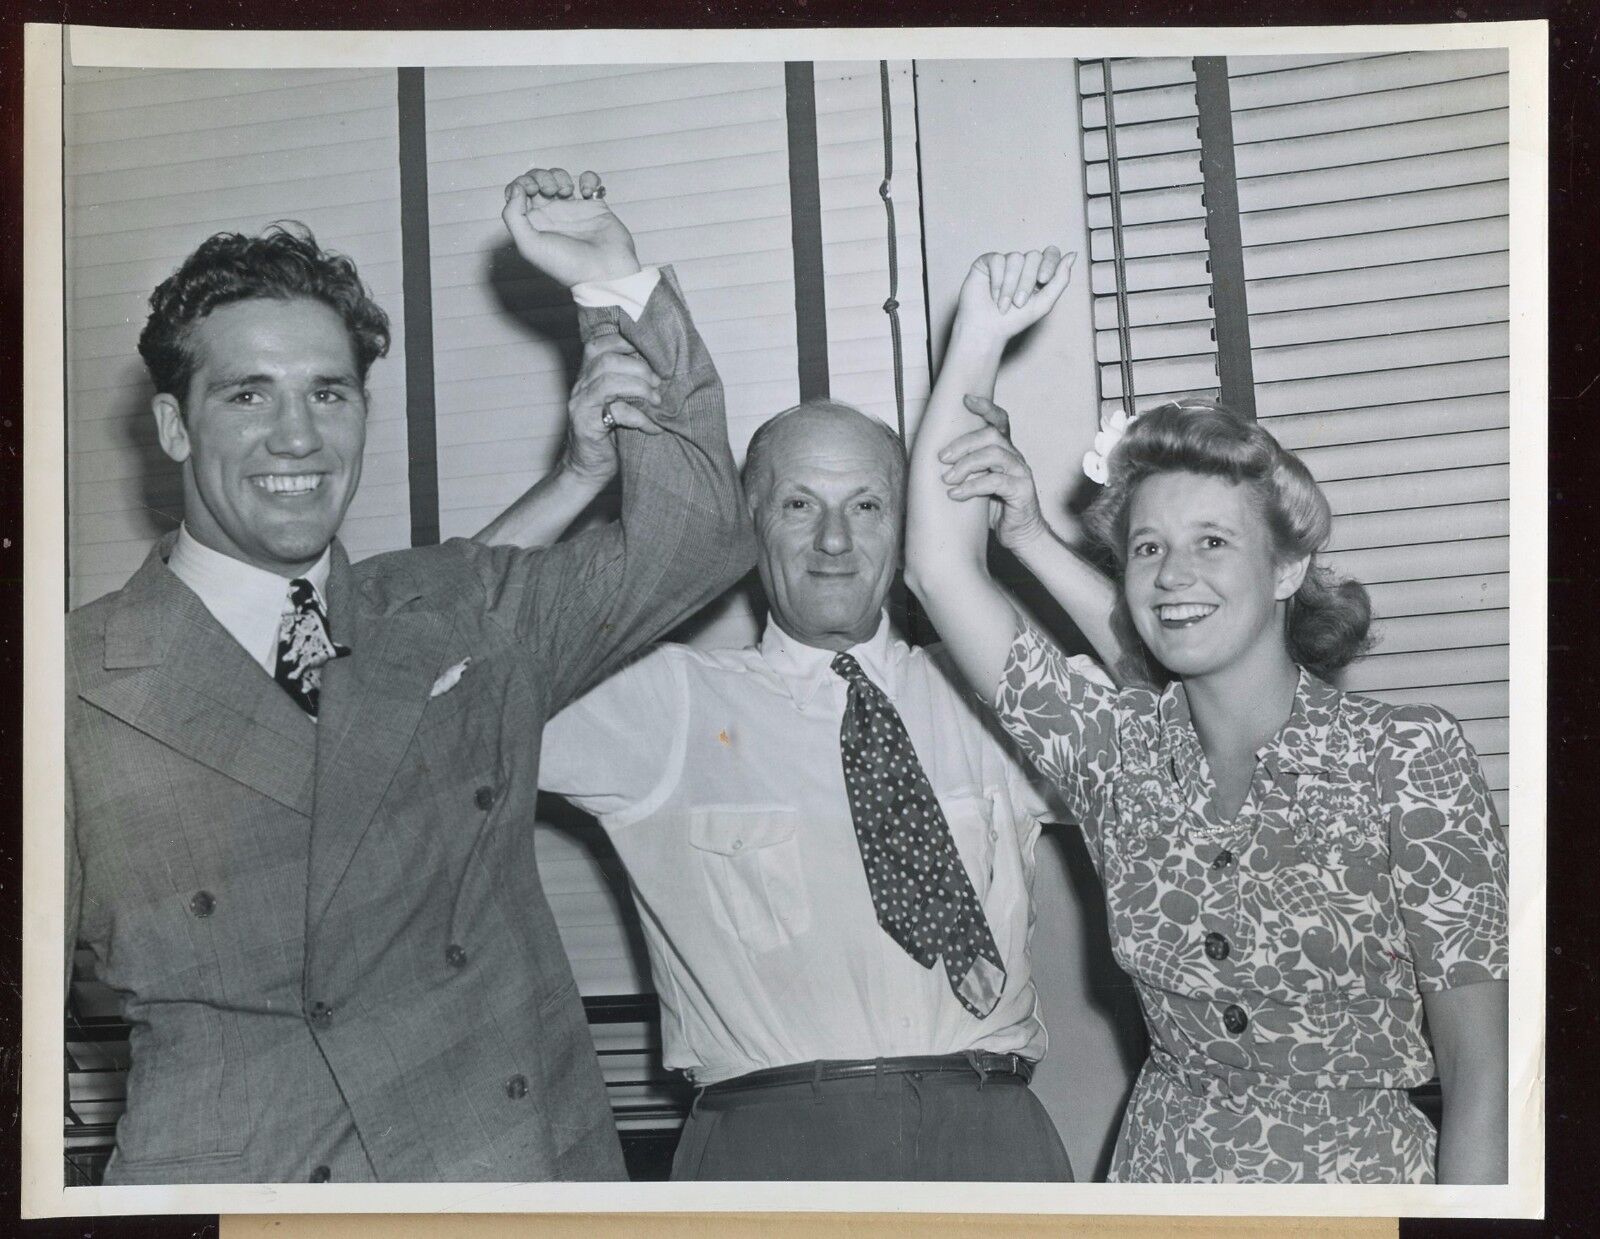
x=944 y=1126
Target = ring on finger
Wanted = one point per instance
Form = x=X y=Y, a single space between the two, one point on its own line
x=606 y=420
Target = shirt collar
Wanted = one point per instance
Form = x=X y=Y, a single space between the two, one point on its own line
x=247 y=601
x=1310 y=742
x=805 y=668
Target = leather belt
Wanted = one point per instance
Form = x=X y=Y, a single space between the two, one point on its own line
x=982 y=1062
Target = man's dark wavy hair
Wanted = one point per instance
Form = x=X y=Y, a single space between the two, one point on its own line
x=282 y=263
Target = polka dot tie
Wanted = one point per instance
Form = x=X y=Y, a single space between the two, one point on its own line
x=920 y=888
x=304 y=645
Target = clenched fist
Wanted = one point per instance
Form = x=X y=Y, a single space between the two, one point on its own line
x=565 y=228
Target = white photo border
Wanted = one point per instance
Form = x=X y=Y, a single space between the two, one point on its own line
x=43 y=1192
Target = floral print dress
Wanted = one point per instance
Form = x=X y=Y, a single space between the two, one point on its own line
x=1280 y=958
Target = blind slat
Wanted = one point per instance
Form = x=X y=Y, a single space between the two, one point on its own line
x=1440 y=632
x=1441 y=594
x=1468 y=308
x=1427 y=668
x=1416 y=454
x=1253 y=84
x=1472 y=519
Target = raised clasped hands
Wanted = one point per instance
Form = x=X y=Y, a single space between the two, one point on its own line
x=984 y=463
x=1005 y=294
x=614 y=379
x=565 y=228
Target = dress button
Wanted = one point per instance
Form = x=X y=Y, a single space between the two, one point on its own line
x=1224 y=859
x=321 y=1015
x=203 y=903
x=1234 y=1019
x=1216 y=946
x=517 y=1087
x=455 y=956
x=484 y=798
x=321 y=1174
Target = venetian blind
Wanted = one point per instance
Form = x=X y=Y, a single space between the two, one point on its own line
x=1373 y=220
x=157 y=161
x=1373 y=199
x=1150 y=277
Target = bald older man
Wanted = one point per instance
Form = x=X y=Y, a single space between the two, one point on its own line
x=831 y=853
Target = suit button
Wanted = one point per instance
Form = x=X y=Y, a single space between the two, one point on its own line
x=321 y=1015
x=321 y=1174
x=484 y=798
x=1224 y=859
x=1216 y=946
x=1234 y=1019
x=455 y=956
x=203 y=903
x=517 y=1087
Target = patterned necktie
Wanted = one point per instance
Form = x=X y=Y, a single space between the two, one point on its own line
x=920 y=888
x=304 y=645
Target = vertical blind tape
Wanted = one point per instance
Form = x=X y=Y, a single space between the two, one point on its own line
x=805 y=215
x=417 y=281
x=1234 y=363
x=1119 y=264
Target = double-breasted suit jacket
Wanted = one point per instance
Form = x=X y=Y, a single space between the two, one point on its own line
x=330 y=937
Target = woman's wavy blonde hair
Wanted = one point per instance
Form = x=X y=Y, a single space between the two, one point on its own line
x=1328 y=619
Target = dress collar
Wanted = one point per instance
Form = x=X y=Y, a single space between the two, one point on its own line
x=805 y=668
x=1312 y=741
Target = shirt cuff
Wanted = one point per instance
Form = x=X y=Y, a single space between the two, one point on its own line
x=629 y=293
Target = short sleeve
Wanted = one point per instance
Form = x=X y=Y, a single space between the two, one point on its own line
x=1061 y=712
x=616 y=752
x=1448 y=852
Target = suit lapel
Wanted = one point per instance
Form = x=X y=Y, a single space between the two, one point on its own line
x=173 y=672
x=371 y=702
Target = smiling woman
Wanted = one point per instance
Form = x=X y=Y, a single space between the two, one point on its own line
x=1294 y=875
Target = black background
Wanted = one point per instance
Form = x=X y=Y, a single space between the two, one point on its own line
x=1573 y=1023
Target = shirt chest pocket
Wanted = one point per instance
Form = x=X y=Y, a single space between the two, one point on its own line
x=749 y=858
x=971 y=819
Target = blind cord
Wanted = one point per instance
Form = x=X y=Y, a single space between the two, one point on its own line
x=1118 y=258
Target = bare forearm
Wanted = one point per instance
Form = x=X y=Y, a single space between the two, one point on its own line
x=544 y=512
x=1469 y=1029
x=1472 y=1132
x=946 y=539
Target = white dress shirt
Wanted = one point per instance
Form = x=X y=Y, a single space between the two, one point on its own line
x=247 y=601
x=717 y=776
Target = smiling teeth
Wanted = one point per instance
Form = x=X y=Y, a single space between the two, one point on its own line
x=299 y=484
x=1184 y=611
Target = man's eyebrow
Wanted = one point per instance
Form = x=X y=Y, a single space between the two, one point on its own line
x=347 y=377
x=237 y=380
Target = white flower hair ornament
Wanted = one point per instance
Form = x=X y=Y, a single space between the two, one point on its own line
x=1096 y=461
